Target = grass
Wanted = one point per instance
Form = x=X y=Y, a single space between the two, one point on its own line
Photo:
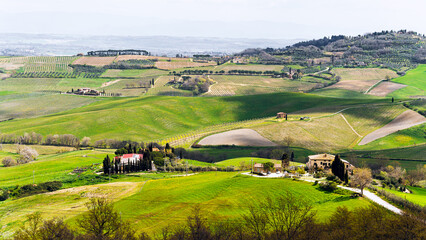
x=407 y=137
x=363 y=73
x=238 y=152
x=220 y=195
x=34 y=105
x=41 y=149
x=150 y=118
x=133 y=73
x=416 y=81
x=236 y=162
x=341 y=93
x=50 y=167
x=418 y=195
x=49 y=84
x=154 y=204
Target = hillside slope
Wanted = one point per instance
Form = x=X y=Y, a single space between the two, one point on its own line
x=150 y=118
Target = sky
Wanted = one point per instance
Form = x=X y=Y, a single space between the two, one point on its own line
x=271 y=19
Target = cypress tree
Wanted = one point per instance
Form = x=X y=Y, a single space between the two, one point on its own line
x=292 y=157
x=346 y=177
x=338 y=167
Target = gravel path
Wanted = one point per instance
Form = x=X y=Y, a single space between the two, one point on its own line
x=373 y=197
x=405 y=120
x=239 y=137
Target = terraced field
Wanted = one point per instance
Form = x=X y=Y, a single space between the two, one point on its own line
x=360 y=79
x=228 y=85
x=38 y=64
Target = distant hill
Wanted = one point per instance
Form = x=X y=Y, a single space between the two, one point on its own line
x=57 y=45
x=391 y=49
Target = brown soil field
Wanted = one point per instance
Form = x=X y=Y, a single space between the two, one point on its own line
x=140 y=57
x=10 y=66
x=350 y=74
x=356 y=85
x=384 y=88
x=405 y=120
x=239 y=137
x=94 y=61
x=174 y=65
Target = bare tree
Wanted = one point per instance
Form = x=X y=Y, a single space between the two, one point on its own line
x=101 y=220
x=287 y=216
x=414 y=176
x=26 y=154
x=85 y=141
x=8 y=162
x=361 y=178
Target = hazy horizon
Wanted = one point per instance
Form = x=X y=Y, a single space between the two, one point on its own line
x=249 y=19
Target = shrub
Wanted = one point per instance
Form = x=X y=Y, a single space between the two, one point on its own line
x=8 y=162
x=4 y=194
x=328 y=186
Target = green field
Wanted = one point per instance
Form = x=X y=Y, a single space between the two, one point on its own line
x=418 y=195
x=238 y=152
x=236 y=162
x=50 y=84
x=49 y=167
x=154 y=204
x=341 y=93
x=132 y=73
x=416 y=81
x=150 y=118
x=34 y=105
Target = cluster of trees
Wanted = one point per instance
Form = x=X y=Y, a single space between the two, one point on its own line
x=285 y=217
x=397 y=177
x=26 y=155
x=153 y=153
x=132 y=64
x=197 y=85
x=36 y=138
x=320 y=42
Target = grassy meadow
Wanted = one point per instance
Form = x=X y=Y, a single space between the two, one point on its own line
x=55 y=166
x=153 y=202
x=418 y=195
x=150 y=118
x=416 y=81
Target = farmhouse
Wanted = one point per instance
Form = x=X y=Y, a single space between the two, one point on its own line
x=281 y=115
x=324 y=161
x=258 y=168
x=128 y=158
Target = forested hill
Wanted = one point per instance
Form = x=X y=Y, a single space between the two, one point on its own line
x=391 y=49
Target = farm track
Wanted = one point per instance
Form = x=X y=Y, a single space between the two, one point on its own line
x=350 y=125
